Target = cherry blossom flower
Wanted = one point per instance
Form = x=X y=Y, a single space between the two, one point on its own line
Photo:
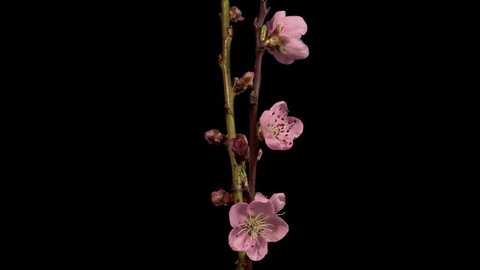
x=283 y=39
x=278 y=129
x=254 y=226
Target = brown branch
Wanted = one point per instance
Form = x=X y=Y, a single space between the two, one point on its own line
x=254 y=144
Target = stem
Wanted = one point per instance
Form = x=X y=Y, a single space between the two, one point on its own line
x=238 y=179
x=229 y=93
x=254 y=144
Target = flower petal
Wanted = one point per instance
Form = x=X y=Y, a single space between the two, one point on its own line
x=259 y=250
x=279 y=109
x=295 y=48
x=295 y=26
x=275 y=144
x=265 y=119
x=264 y=209
x=278 y=229
x=239 y=240
x=260 y=197
x=277 y=19
x=238 y=214
x=281 y=58
x=278 y=201
x=296 y=126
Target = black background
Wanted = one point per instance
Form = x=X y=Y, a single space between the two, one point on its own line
x=354 y=181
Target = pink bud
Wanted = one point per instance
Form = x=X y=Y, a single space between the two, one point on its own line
x=235 y=14
x=214 y=136
x=221 y=197
x=239 y=146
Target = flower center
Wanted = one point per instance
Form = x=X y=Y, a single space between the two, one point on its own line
x=255 y=226
x=278 y=125
x=276 y=40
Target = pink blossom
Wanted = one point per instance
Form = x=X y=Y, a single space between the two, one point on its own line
x=283 y=40
x=221 y=197
x=278 y=129
x=254 y=225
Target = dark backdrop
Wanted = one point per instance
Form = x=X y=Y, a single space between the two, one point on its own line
x=353 y=180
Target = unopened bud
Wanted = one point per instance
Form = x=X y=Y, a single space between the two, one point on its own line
x=221 y=197
x=239 y=146
x=244 y=82
x=214 y=136
x=235 y=14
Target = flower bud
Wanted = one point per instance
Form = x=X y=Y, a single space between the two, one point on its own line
x=244 y=82
x=221 y=197
x=215 y=137
x=235 y=14
x=239 y=146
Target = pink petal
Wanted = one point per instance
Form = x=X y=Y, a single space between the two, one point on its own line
x=274 y=144
x=296 y=49
x=264 y=120
x=282 y=58
x=239 y=240
x=279 y=228
x=260 y=197
x=278 y=201
x=264 y=209
x=297 y=126
x=276 y=20
x=238 y=214
x=259 y=250
x=284 y=145
x=294 y=27
x=279 y=108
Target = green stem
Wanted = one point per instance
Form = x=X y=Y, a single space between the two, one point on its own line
x=238 y=173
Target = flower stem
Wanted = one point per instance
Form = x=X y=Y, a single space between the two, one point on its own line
x=254 y=144
x=238 y=179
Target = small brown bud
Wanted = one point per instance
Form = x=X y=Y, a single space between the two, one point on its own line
x=243 y=83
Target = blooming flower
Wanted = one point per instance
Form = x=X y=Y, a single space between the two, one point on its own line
x=254 y=225
x=278 y=129
x=221 y=197
x=283 y=40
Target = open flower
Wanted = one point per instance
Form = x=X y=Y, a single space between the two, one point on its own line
x=283 y=40
x=278 y=129
x=254 y=225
